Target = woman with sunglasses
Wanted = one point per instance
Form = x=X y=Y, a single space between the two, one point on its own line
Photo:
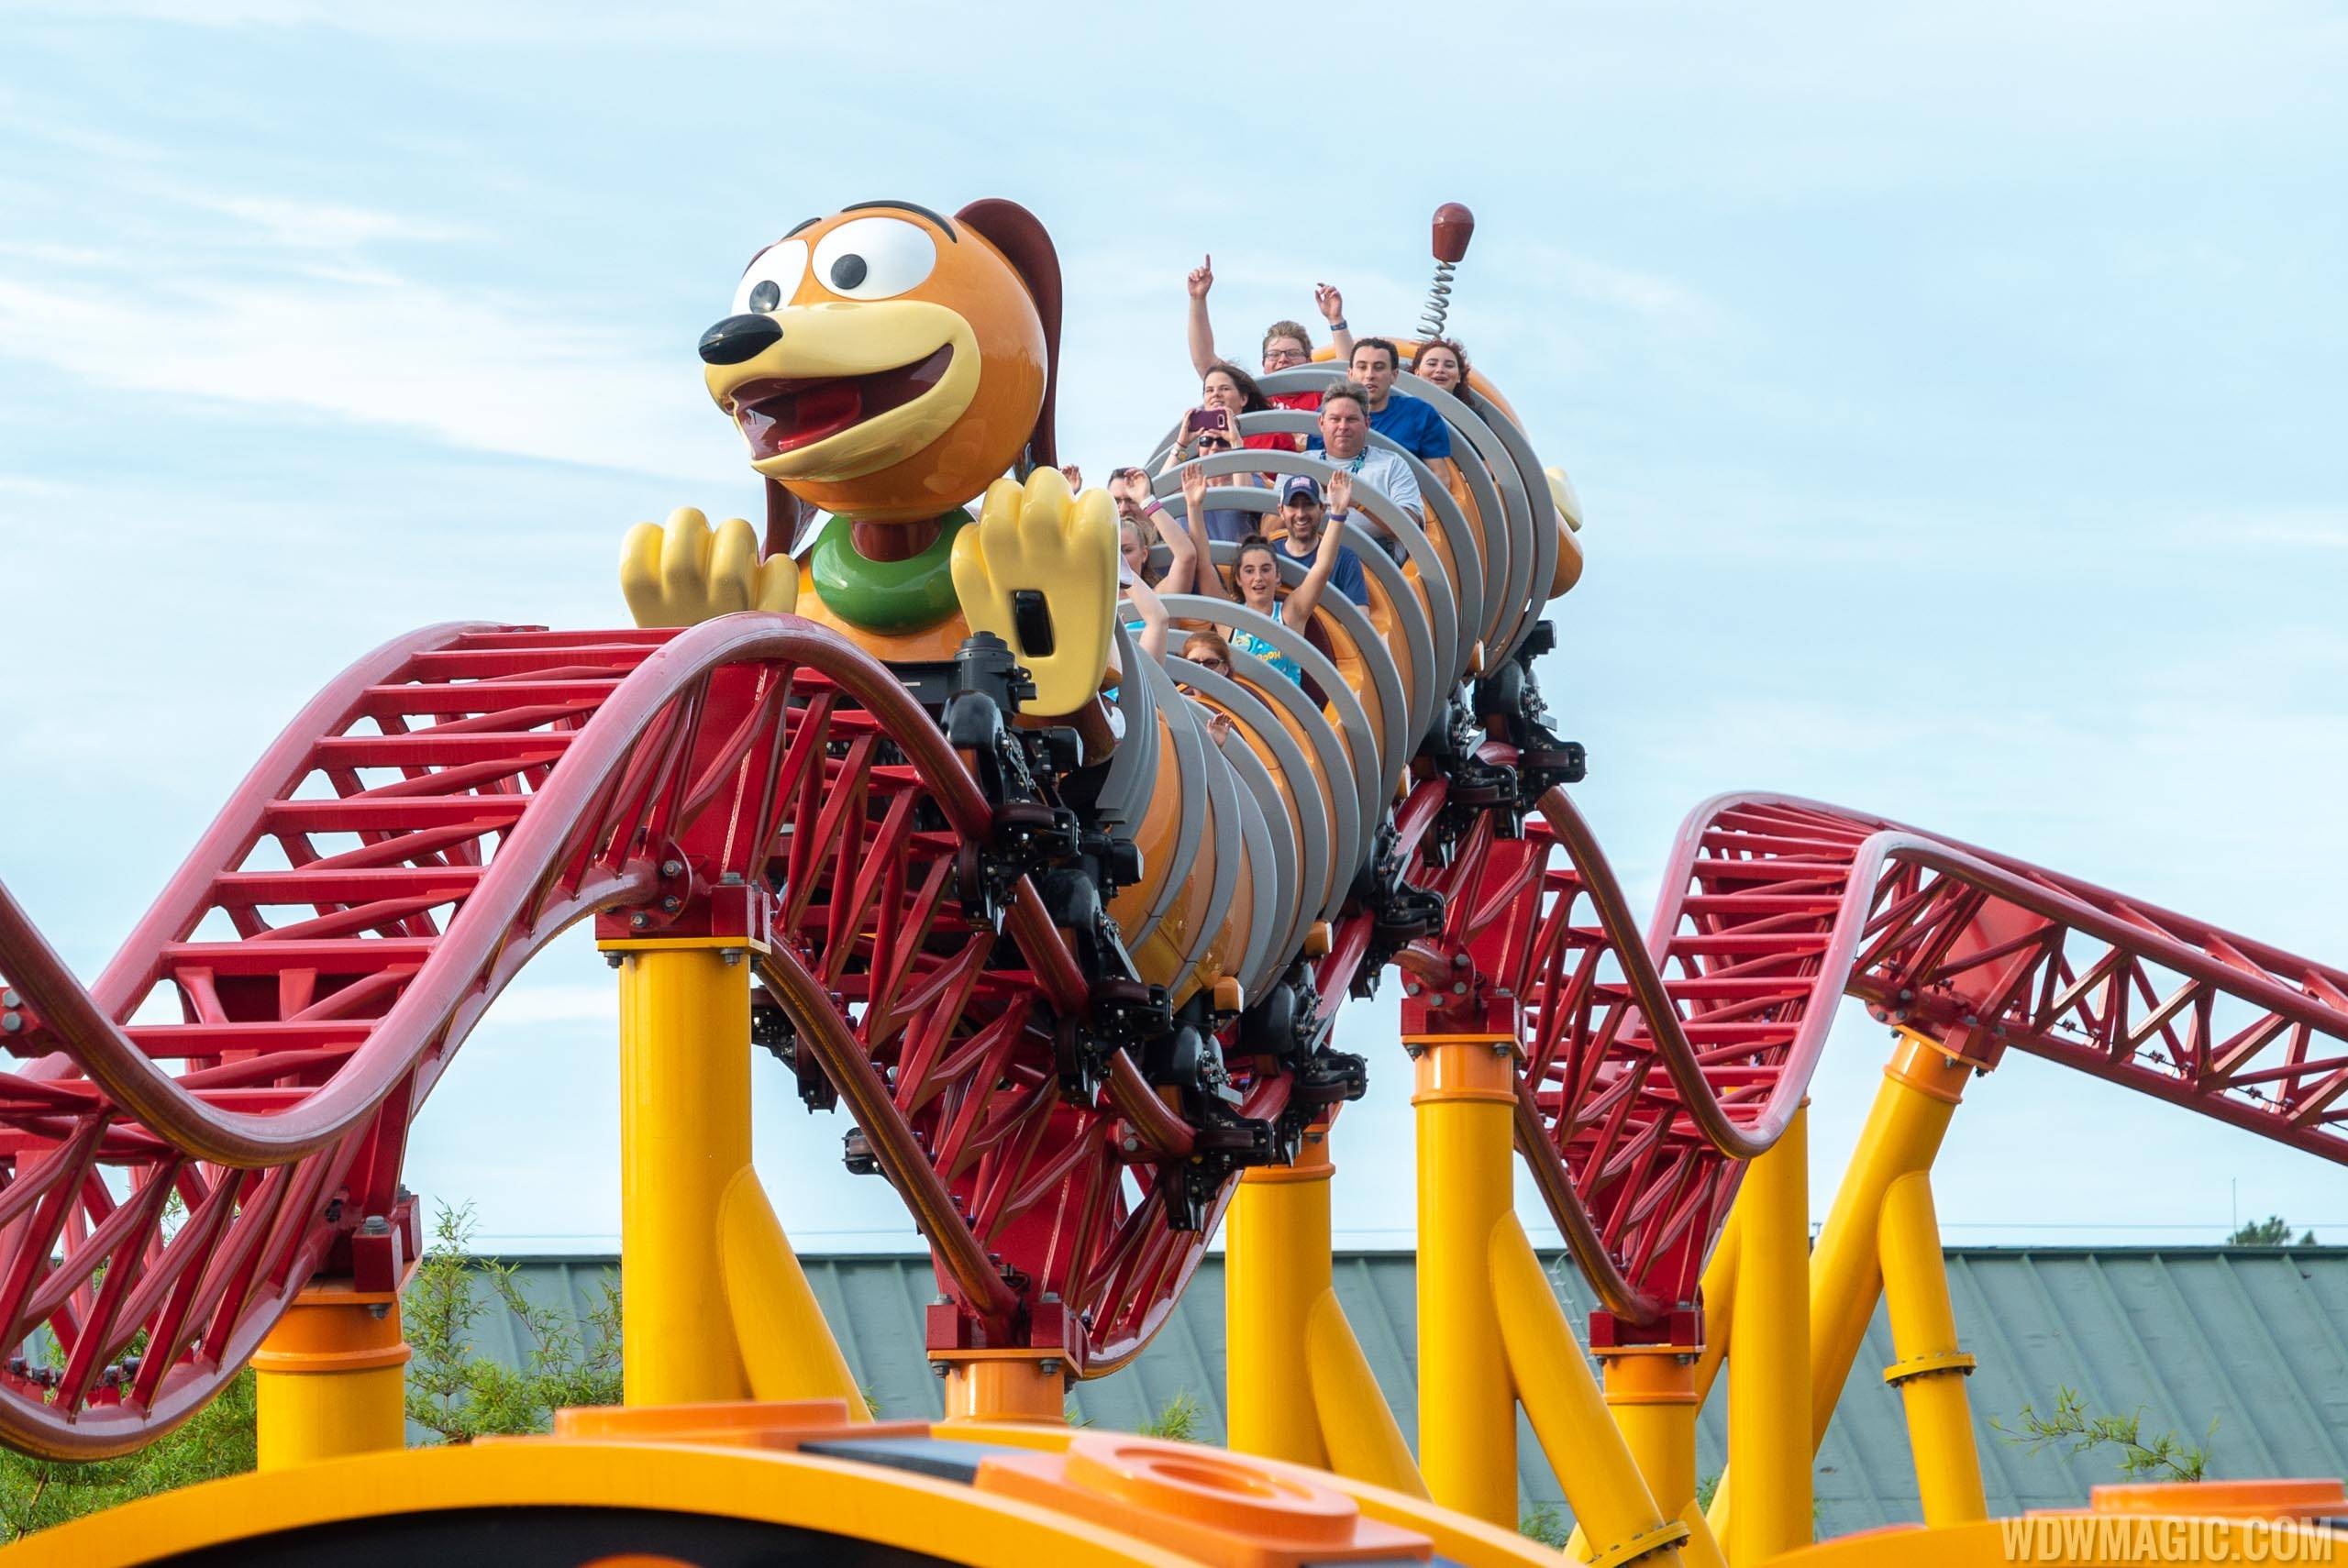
x=1224 y=525
x=1232 y=391
x=1209 y=651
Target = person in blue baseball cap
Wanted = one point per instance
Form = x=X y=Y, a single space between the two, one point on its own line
x=1304 y=515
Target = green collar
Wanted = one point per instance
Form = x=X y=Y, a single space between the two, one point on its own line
x=886 y=596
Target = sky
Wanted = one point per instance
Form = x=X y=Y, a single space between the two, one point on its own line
x=1953 y=395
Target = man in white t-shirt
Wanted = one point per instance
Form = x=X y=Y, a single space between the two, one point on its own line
x=1344 y=442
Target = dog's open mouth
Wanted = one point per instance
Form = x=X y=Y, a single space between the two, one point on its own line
x=778 y=415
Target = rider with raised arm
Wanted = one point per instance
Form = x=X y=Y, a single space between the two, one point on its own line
x=1305 y=521
x=1255 y=584
x=1287 y=344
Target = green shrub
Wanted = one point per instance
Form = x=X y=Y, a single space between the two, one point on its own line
x=458 y=1394
x=217 y=1441
x=2164 y=1458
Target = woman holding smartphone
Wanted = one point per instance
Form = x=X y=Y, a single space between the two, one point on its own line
x=1227 y=388
x=1226 y=523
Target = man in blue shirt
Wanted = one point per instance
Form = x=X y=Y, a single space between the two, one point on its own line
x=1303 y=513
x=1411 y=423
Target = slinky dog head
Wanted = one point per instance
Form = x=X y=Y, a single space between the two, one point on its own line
x=887 y=363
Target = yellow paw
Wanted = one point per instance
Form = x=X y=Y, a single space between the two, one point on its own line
x=681 y=573
x=1039 y=570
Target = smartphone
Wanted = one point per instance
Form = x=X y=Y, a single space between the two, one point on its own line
x=1207 y=419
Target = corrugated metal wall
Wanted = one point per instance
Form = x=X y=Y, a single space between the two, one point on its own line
x=2255 y=1338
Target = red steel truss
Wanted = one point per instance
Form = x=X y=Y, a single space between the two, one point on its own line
x=223 y=1112
x=1654 y=1068
x=422 y=827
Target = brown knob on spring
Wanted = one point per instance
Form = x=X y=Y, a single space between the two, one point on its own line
x=1455 y=226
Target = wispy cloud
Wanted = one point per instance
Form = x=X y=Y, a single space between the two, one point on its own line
x=474 y=368
x=309 y=306
x=1655 y=299
x=2323 y=529
x=533 y=22
x=322 y=225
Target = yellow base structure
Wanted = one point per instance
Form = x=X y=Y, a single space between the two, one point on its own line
x=802 y=1481
x=2095 y=1538
x=330 y=1379
x=795 y=1482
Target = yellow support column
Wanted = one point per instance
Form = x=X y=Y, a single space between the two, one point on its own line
x=787 y=1348
x=1922 y=1085
x=1769 y=1362
x=1932 y=1368
x=331 y=1378
x=1651 y=1392
x=1275 y=1266
x=1717 y=1290
x=684 y=1132
x=1296 y=1385
x=1357 y=1426
x=1603 y=1487
x=1464 y=1098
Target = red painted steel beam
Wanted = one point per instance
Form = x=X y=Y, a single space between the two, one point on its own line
x=303 y=1047
x=1659 y=1064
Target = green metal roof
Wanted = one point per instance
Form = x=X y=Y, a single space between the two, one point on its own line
x=2255 y=1338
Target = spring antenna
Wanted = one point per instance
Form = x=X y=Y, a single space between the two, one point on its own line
x=1455 y=226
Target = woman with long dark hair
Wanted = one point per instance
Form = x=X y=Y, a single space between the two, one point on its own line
x=1256 y=581
x=1444 y=362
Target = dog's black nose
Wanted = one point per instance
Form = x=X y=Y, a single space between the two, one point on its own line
x=739 y=337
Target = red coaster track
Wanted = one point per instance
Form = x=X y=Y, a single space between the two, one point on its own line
x=1654 y=1068
x=171 y=1183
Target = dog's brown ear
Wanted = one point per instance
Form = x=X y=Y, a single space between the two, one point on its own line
x=787 y=518
x=1016 y=232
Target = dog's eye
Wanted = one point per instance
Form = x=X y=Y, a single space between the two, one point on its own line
x=874 y=258
x=772 y=279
